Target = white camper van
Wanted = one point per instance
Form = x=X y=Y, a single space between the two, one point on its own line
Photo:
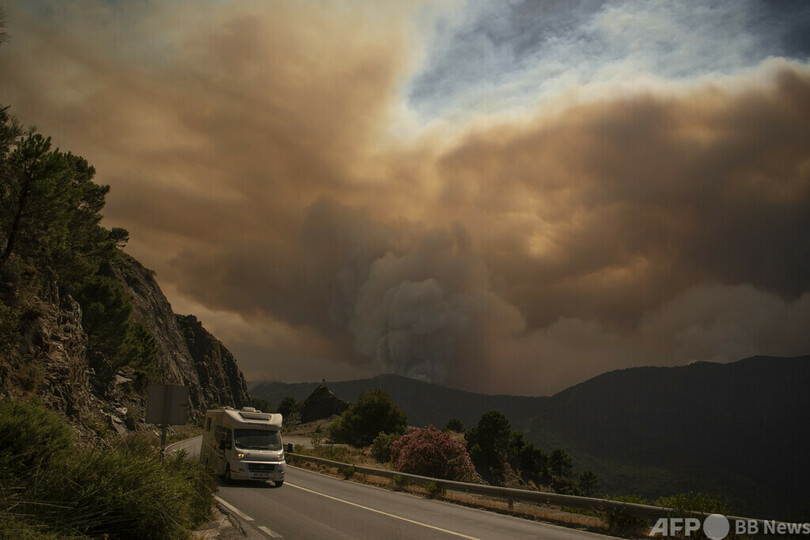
x=243 y=445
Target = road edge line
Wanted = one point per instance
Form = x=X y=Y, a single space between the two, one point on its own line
x=232 y=508
x=269 y=532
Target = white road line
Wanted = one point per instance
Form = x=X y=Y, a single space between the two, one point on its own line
x=233 y=509
x=269 y=532
x=383 y=513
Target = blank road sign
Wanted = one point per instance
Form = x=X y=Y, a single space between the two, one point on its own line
x=166 y=404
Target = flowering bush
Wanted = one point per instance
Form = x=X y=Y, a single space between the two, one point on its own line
x=433 y=453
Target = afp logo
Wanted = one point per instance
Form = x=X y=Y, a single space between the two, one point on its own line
x=715 y=526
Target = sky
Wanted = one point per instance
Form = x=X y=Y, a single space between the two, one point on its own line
x=503 y=197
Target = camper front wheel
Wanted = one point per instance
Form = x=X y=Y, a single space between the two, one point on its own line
x=279 y=483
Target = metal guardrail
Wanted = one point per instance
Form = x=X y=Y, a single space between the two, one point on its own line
x=556 y=499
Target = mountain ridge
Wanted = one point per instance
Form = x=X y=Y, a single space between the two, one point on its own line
x=735 y=430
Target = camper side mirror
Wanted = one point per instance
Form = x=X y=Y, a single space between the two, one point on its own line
x=224 y=445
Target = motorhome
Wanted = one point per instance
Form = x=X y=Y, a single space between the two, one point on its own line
x=243 y=444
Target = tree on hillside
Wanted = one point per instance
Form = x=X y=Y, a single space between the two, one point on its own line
x=587 y=483
x=287 y=406
x=561 y=463
x=528 y=460
x=51 y=235
x=374 y=412
x=488 y=443
x=261 y=404
x=454 y=424
x=51 y=208
x=561 y=467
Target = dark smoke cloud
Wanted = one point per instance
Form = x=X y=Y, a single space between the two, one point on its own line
x=430 y=313
x=253 y=165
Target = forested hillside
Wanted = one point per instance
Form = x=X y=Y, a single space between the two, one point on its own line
x=734 y=431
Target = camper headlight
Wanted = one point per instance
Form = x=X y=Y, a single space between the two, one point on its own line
x=240 y=455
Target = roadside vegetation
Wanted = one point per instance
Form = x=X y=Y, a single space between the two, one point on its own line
x=488 y=452
x=371 y=414
x=51 y=241
x=433 y=453
x=50 y=488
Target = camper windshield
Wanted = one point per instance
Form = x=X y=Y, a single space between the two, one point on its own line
x=256 y=439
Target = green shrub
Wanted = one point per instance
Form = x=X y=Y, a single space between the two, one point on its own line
x=17 y=529
x=127 y=493
x=261 y=404
x=381 y=447
x=348 y=472
x=122 y=492
x=587 y=483
x=30 y=437
x=454 y=424
x=288 y=406
x=399 y=482
x=373 y=413
x=620 y=521
x=328 y=451
x=433 y=490
x=685 y=504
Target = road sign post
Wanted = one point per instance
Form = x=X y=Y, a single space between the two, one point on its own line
x=166 y=405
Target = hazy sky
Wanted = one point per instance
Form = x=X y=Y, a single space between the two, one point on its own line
x=508 y=197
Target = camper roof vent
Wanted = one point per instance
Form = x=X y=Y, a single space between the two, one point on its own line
x=267 y=417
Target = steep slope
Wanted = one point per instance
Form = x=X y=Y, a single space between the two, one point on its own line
x=187 y=353
x=49 y=361
x=219 y=377
x=737 y=429
x=47 y=357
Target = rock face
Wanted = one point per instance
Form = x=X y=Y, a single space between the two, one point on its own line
x=49 y=362
x=52 y=361
x=220 y=379
x=321 y=403
x=187 y=353
x=49 y=358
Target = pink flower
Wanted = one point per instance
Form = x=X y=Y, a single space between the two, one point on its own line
x=431 y=452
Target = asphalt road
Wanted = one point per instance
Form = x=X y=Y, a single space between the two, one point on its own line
x=191 y=446
x=311 y=505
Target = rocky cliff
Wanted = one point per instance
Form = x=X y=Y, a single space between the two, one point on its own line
x=48 y=357
x=220 y=380
x=49 y=361
x=187 y=353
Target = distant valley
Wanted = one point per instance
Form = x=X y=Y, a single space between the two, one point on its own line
x=737 y=430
